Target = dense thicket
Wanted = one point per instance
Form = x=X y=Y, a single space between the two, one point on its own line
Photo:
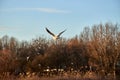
x=96 y=48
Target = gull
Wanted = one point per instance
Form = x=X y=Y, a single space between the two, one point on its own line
x=28 y=57
x=55 y=37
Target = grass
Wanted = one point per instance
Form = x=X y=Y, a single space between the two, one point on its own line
x=65 y=76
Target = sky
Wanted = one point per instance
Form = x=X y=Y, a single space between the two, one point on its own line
x=27 y=19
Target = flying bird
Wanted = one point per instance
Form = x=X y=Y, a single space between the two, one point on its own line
x=55 y=37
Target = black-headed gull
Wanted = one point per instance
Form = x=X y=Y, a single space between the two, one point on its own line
x=55 y=37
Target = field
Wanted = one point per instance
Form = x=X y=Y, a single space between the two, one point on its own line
x=65 y=76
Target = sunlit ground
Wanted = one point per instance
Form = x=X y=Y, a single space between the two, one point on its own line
x=64 y=76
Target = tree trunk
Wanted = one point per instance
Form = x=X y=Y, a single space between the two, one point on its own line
x=114 y=73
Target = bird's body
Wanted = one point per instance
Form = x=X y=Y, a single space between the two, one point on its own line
x=55 y=37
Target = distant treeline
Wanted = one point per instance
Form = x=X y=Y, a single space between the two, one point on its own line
x=96 y=49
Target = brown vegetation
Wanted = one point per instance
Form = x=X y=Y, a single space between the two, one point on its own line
x=95 y=54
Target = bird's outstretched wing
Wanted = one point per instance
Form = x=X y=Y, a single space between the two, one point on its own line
x=50 y=32
x=61 y=33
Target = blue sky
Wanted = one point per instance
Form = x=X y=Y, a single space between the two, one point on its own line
x=27 y=19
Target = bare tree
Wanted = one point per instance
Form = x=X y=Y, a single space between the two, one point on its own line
x=104 y=44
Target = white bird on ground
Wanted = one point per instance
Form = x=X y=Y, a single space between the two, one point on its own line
x=55 y=37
